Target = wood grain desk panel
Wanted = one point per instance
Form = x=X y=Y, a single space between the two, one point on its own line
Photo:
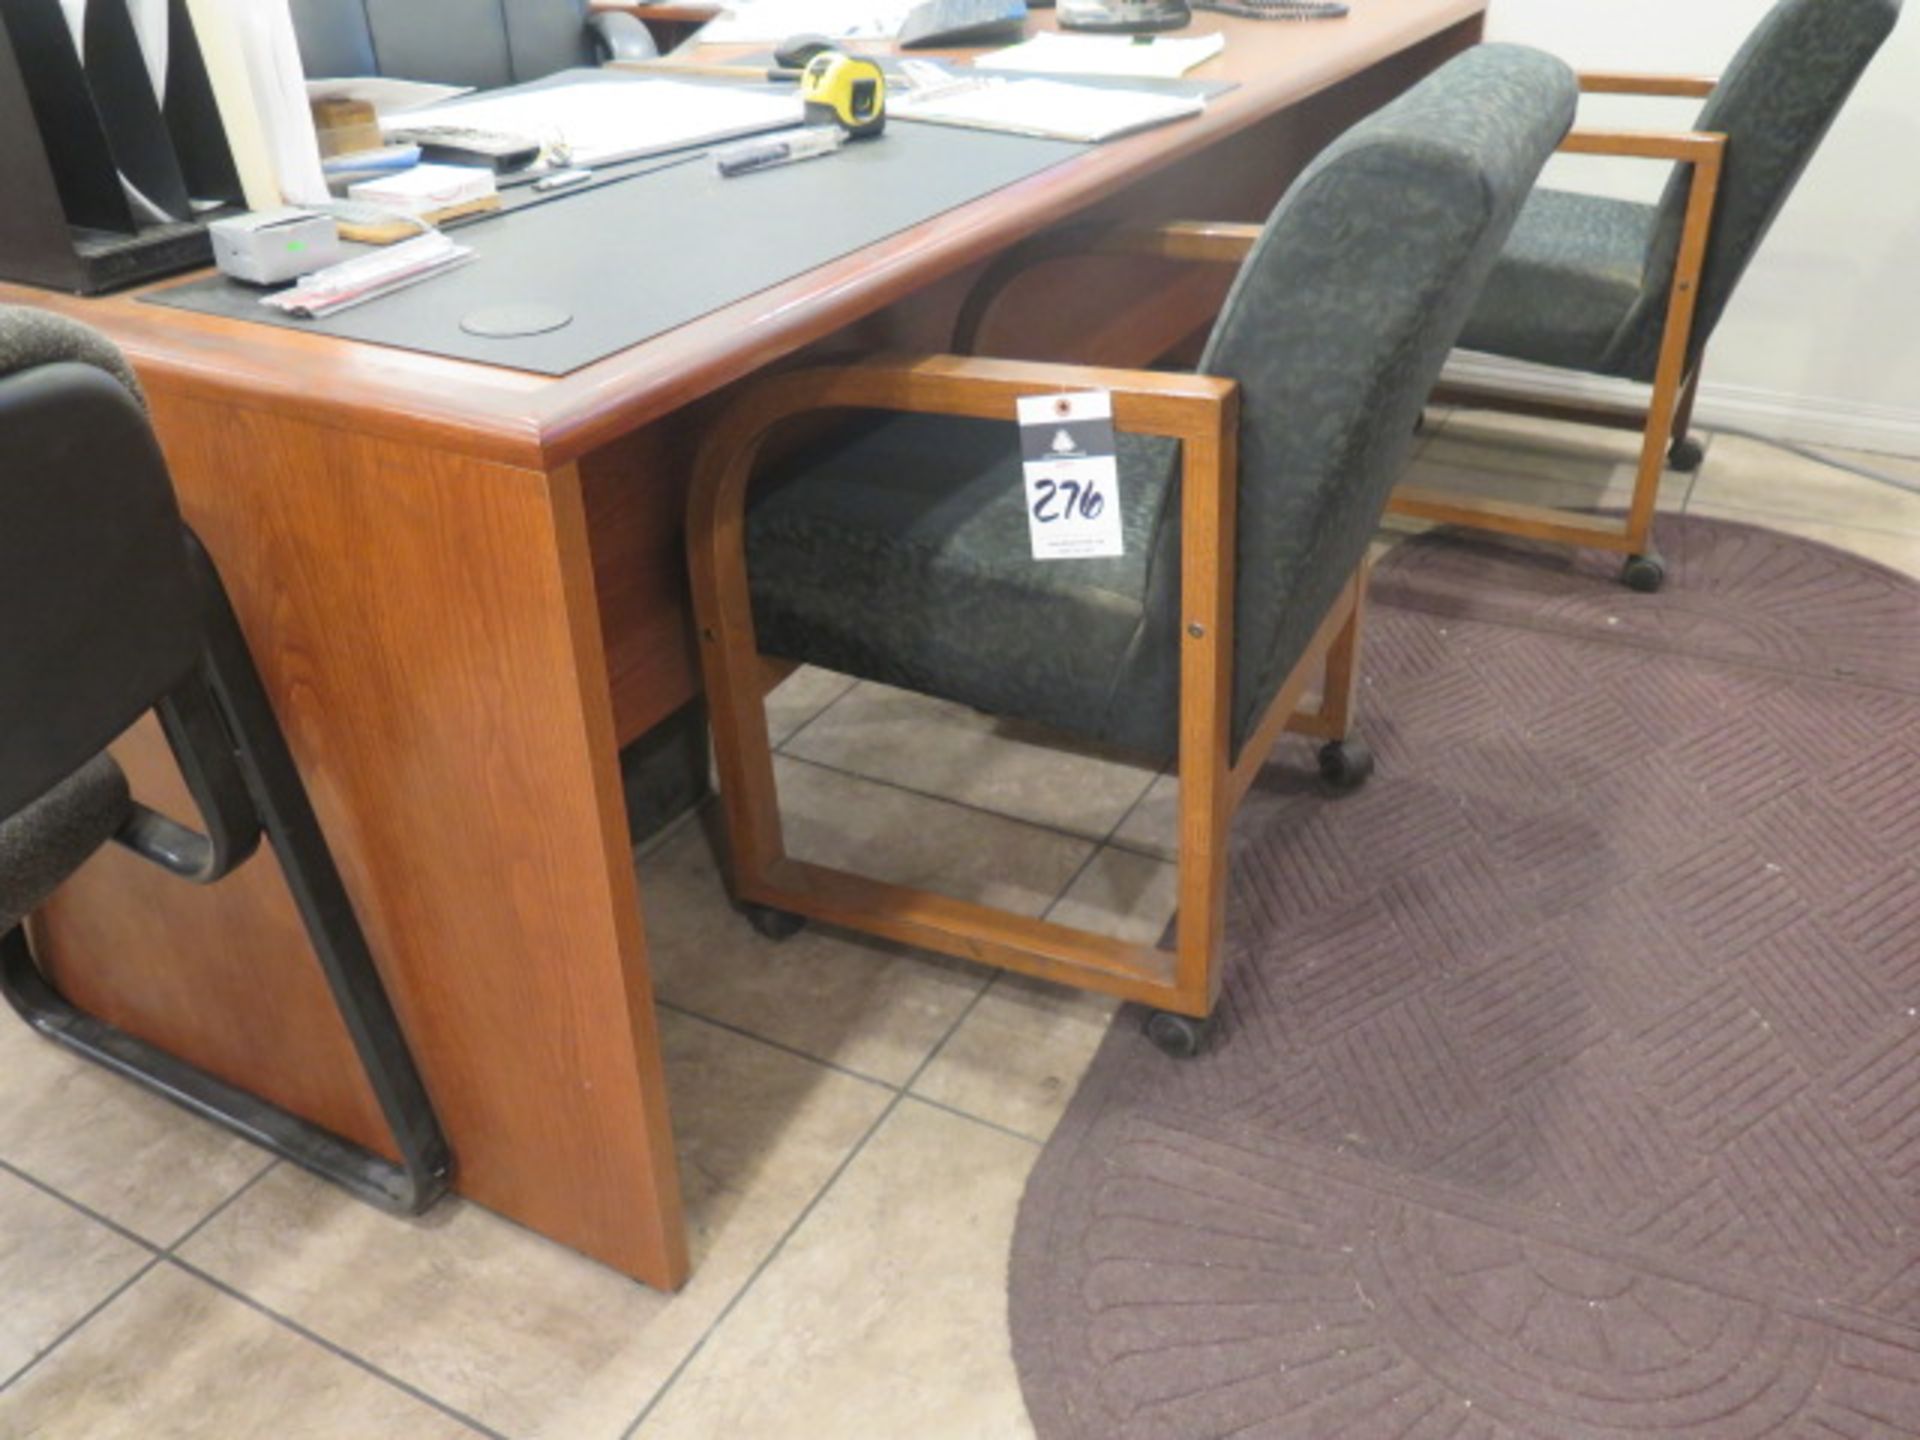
x=464 y=587
x=229 y=1006
x=426 y=625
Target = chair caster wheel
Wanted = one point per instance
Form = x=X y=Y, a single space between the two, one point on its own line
x=1181 y=1036
x=1345 y=764
x=774 y=924
x=1685 y=456
x=1645 y=573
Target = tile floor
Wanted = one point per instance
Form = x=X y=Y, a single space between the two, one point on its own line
x=855 y=1121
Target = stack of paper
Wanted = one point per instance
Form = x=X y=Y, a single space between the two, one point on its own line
x=605 y=120
x=1156 y=57
x=1050 y=109
x=253 y=60
x=427 y=190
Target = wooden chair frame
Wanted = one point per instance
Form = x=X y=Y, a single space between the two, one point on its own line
x=1203 y=414
x=1669 y=411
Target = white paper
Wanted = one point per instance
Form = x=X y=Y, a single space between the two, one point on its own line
x=75 y=11
x=387 y=96
x=1052 y=109
x=1162 y=57
x=426 y=188
x=770 y=21
x=218 y=35
x=601 y=121
x=1073 y=498
x=272 y=57
x=150 y=28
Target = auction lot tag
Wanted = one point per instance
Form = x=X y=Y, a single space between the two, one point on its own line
x=1073 y=479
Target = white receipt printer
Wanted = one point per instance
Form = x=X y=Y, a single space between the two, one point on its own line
x=267 y=247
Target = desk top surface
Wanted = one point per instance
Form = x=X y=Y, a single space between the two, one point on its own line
x=539 y=421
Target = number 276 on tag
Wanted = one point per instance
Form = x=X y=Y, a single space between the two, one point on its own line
x=1072 y=476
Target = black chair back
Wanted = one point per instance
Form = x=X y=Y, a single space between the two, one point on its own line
x=1337 y=327
x=99 y=615
x=109 y=607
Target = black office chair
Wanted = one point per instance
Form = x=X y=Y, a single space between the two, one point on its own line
x=109 y=608
x=1632 y=291
x=1250 y=491
x=483 y=43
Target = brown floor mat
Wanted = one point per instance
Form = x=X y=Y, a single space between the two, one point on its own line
x=1567 y=1082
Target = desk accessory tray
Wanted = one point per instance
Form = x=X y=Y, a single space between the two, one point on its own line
x=84 y=130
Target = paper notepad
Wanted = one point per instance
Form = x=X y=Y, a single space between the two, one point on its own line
x=1158 y=57
x=426 y=189
x=1048 y=109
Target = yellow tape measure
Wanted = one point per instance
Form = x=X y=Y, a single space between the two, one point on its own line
x=845 y=90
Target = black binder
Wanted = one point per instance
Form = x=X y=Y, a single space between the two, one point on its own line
x=74 y=128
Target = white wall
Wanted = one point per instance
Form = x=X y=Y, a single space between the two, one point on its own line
x=1822 y=340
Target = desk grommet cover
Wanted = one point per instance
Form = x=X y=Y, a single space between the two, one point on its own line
x=507 y=322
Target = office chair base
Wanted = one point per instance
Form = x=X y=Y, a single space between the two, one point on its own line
x=372 y=1178
x=1180 y=1036
x=1345 y=764
x=1644 y=573
x=772 y=923
x=1685 y=455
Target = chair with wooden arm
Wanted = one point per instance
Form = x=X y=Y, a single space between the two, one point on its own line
x=1633 y=291
x=898 y=550
x=109 y=608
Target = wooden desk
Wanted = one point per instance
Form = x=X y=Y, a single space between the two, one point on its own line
x=463 y=586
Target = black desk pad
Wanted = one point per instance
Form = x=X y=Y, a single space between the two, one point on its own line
x=637 y=257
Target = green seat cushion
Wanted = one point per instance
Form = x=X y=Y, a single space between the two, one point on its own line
x=1564 y=288
x=900 y=554
x=54 y=836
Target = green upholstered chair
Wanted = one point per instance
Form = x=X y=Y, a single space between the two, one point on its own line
x=1634 y=291
x=109 y=608
x=897 y=548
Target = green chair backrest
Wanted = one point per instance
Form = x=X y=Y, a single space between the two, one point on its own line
x=1336 y=329
x=1775 y=102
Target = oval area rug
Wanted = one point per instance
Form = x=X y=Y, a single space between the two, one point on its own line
x=1567 y=1079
